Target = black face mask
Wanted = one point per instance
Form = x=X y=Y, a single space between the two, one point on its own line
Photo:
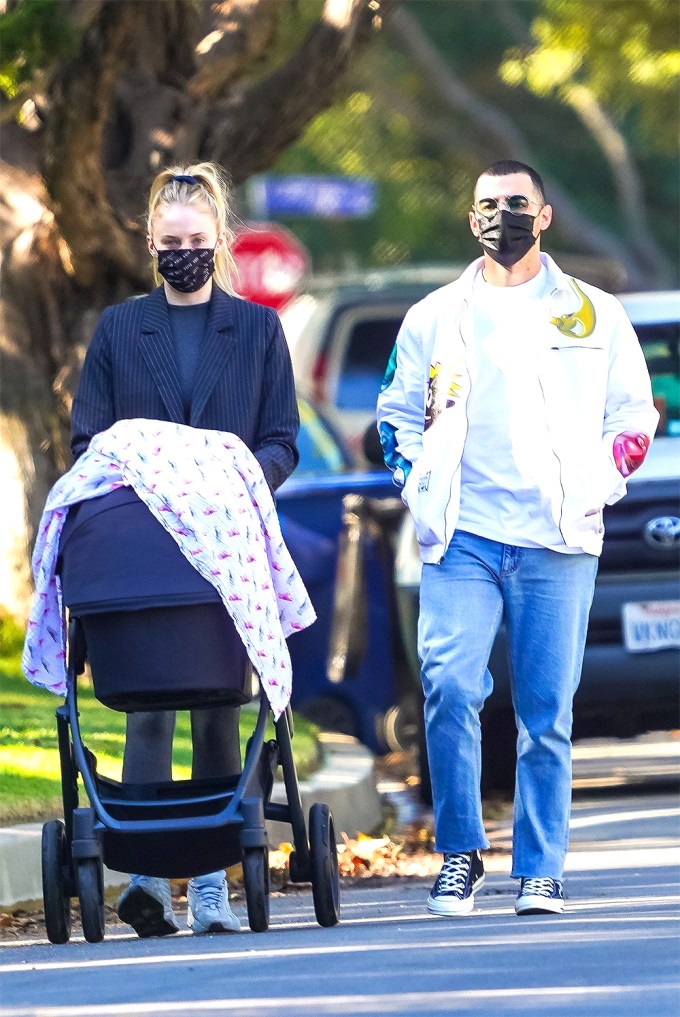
x=187 y=269
x=506 y=238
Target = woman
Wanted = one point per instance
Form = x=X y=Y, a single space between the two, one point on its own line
x=191 y=352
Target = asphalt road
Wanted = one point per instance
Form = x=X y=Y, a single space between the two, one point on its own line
x=614 y=953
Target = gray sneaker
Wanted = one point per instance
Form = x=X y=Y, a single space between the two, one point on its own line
x=208 y=905
x=146 y=905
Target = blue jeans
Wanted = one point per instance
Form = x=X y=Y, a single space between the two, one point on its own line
x=545 y=598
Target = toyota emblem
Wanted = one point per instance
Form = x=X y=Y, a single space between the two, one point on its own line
x=663 y=532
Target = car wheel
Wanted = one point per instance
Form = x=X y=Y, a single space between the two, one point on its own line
x=401 y=725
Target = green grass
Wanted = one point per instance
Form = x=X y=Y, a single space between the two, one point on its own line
x=30 y=788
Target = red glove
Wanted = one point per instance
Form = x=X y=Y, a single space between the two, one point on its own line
x=630 y=449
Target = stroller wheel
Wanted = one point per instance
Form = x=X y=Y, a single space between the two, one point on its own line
x=90 y=880
x=57 y=882
x=323 y=851
x=256 y=882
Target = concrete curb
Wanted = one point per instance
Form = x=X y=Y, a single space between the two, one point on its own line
x=346 y=782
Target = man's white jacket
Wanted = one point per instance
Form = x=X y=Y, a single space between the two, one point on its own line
x=595 y=384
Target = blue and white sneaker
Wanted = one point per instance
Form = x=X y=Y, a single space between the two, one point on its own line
x=539 y=897
x=454 y=888
x=208 y=905
x=146 y=905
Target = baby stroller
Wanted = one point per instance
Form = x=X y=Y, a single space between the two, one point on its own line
x=157 y=636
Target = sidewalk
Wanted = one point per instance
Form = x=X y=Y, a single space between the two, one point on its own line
x=346 y=782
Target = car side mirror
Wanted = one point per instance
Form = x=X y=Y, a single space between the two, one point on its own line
x=371 y=445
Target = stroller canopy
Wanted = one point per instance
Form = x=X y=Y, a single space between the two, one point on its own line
x=115 y=556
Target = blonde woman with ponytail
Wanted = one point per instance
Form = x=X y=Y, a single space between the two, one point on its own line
x=195 y=353
x=199 y=188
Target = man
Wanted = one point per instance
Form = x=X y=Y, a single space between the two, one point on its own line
x=515 y=402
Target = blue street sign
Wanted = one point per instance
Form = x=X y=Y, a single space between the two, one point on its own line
x=325 y=197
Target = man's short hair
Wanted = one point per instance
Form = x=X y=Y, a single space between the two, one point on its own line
x=504 y=167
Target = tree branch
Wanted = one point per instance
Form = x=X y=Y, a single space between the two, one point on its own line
x=630 y=195
x=240 y=35
x=279 y=107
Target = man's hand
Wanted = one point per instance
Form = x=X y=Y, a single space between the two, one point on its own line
x=630 y=449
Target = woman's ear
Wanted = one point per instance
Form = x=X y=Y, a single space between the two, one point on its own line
x=150 y=247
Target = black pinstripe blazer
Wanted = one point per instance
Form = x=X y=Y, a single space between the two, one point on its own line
x=244 y=379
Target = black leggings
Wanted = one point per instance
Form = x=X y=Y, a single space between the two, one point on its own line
x=148 y=744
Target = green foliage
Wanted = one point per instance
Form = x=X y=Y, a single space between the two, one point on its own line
x=30 y=782
x=626 y=52
x=11 y=639
x=34 y=34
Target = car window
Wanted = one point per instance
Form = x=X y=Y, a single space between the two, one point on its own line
x=661 y=346
x=363 y=367
x=320 y=453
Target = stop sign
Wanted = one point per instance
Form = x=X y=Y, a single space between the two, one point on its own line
x=271 y=263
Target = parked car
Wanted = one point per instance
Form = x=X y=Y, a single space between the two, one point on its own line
x=341 y=331
x=630 y=681
x=339 y=524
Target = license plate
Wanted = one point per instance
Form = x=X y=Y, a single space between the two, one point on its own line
x=651 y=625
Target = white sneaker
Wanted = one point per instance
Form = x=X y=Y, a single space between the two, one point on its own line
x=208 y=905
x=146 y=905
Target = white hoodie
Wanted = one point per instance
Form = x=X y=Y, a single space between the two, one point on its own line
x=595 y=384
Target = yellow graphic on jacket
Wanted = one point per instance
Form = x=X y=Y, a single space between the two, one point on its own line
x=440 y=396
x=580 y=323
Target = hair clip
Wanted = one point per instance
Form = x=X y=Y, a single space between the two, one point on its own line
x=183 y=178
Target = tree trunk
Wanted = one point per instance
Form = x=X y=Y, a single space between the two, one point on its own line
x=46 y=319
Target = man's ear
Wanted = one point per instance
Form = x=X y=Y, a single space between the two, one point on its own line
x=474 y=225
x=544 y=217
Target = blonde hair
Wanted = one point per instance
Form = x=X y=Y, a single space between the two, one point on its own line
x=211 y=189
